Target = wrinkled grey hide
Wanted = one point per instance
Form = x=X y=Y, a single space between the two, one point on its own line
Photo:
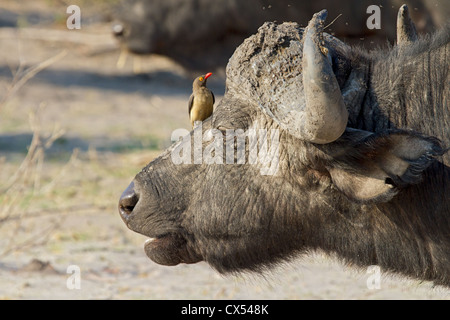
x=378 y=194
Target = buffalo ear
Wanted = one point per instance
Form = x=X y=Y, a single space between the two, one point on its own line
x=362 y=188
x=375 y=167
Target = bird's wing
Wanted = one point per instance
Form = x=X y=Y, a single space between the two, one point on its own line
x=214 y=99
x=191 y=103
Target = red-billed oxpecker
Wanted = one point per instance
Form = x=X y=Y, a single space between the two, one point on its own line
x=201 y=100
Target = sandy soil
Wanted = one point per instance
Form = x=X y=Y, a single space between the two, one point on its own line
x=118 y=121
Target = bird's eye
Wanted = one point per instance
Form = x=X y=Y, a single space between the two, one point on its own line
x=201 y=78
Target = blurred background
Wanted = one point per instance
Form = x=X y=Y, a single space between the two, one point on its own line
x=83 y=110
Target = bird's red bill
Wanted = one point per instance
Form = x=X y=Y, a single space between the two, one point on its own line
x=208 y=75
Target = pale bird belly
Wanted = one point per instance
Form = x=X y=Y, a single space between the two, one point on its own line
x=202 y=108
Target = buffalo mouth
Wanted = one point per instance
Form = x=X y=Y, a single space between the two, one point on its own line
x=170 y=249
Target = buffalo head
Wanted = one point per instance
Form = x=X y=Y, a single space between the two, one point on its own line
x=314 y=146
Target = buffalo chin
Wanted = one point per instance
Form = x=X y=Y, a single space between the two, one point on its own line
x=170 y=250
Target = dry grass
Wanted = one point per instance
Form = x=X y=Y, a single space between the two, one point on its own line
x=38 y=194
x=24 y=184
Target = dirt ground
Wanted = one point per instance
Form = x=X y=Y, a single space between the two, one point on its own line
x=112 y=121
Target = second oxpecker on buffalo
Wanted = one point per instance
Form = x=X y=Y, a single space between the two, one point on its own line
x=201 y=100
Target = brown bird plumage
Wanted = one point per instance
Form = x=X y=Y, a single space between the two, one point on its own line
x=201 y=101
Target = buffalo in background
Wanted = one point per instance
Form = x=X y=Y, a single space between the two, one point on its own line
x=203 y=34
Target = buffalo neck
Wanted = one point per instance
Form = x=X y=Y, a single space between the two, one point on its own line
x=409 y=88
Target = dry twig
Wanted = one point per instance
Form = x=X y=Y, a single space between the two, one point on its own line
x=25 y=183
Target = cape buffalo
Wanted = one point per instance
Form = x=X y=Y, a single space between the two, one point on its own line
x=359 y=168
x=203 y=34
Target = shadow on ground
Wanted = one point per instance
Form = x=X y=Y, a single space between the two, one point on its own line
x=16 y=145
x=125 y=83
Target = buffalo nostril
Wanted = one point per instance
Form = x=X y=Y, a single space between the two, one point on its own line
x=128 y=201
